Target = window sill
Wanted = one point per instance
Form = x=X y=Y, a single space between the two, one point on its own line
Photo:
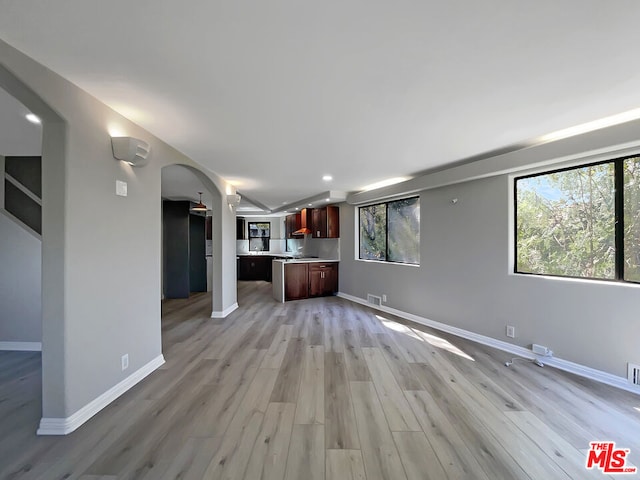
x=378 y=262
x=588 y=281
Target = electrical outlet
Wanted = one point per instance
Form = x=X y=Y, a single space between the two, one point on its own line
x=384 y=297
x=511 y=331
x=125 y=361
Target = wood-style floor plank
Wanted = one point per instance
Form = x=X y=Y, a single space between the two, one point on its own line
x=315 y=329
x=306 y=453
x=355 y=363
x=287 y=384
x=278 y=347
x=320 y=388
x=379 y=452
x=492 y=438
x=231 y=460
x=98 y=477
x=344 y=465
x=192 y=459
x=570 y=459
x=448 y=444
x=310 y=407
x=396 y=409
x=341 y=431
x=418 y=458
x=269 y=456
x=232 y=457
x=333 y=341
x=399 y=367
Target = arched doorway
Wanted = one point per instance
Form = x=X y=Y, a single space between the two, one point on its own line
x=51 y=297
x=182 y=183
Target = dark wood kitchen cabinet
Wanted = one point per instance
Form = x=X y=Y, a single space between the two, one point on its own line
x=323 y=279
x=255 y=267
x=296 y=281
x=240 y=228
x=292 y=223
x=326 y=222
x=304 y=280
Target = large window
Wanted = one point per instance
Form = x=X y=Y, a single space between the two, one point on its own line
x=259 y=236
x=391 y=231
x=581 y=222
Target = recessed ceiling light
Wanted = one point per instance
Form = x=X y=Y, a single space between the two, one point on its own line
x=327 y=199
x=297 y=208
x=327 y=178
x=33 y=118
x=311 y=204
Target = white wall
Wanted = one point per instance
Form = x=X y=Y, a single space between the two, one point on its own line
x=464 y=277
x=20 y=283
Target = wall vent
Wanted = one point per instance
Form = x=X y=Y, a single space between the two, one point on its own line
x=633 y=373
x=541 y=350
x=374 y=300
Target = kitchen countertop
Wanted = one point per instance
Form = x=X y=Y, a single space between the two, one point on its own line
x=306 y=260
x=288 y=258
x=265 y=254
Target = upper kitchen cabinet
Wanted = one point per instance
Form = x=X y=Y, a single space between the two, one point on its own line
x=326 y=222
x=292 y=223
x=240 y=228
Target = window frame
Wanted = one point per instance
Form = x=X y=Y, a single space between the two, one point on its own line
x=249 y=236
x=386 y=232
x=618 y=182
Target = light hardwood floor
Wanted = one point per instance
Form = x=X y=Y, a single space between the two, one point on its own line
x=319 y=389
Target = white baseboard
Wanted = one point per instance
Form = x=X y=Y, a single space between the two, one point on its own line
x=225 y=312
x=63 y=426
x=21 y=346
x=571 y=367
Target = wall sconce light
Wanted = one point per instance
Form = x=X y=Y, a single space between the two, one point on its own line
x=234 y=199
x=131 y=150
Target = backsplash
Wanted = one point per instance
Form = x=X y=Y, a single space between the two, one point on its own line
x=275 y=246
x=328 y=248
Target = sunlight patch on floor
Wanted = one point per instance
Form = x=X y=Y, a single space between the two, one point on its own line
x=442 y=344
x=437 y=342
x=398 y=327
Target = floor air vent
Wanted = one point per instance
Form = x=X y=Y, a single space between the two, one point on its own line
x=374 y=300
x=633 y=373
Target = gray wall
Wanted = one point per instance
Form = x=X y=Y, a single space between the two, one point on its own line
x=464 y=278
x=20 y=283
x=101 y=253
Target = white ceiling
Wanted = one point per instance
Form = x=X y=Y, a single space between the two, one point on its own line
x=272 y=95
x=179 y=183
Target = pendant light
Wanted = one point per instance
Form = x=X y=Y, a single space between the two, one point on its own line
x=199 y=207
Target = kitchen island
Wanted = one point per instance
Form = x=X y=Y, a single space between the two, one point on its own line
x=299 y=278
